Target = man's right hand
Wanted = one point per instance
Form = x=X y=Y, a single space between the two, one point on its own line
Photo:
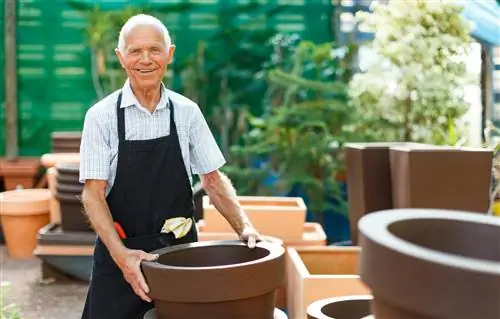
x=129 y=261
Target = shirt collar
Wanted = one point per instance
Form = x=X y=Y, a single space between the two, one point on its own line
x=129 y=99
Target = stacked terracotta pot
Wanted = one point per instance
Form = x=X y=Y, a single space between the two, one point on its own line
x=68 y=193
x=66 y=142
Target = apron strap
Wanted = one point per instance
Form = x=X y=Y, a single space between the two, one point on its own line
x=121 y=119
x=173 y=128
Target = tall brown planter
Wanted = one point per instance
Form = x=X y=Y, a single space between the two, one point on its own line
x=427 y=263
x=368 y=180
x=441 y=177
x=347 y=307
x=236 y=281
x=66 y=142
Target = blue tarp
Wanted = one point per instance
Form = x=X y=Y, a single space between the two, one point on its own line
x=485 y=15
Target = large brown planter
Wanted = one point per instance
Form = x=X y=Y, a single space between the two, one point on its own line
x=441 y=177
x=266 y=214
x=238 y=282
x=443 y=264
x=66 y=142
x=278 y=314
x=20 y=173
x=348 y=307
x=315 y=273
x=23 y=212
x=68 y=193
x=368 y=180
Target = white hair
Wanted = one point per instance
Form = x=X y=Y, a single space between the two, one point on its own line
x=142 y=20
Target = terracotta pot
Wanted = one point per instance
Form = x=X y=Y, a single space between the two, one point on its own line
x=151 y=314
x=20 y=173
x=348 y=307
x=55 y=208
x=441 y=177
x=23 y=213
x=266 y=214
x=242 y=281
x=315 y=273
x=368 y=180
x=445 y=264
x=52 y=159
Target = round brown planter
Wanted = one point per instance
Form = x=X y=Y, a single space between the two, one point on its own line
x=66 y=142
x=68 y=193
x=347 y=307
x=216 y=279
x=278 y=314
x=23 y=213
x=443 y=264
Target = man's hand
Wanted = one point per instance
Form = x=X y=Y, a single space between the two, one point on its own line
x=250 y=235
x=129 y=262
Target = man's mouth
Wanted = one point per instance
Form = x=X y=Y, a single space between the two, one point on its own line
x=144 y=71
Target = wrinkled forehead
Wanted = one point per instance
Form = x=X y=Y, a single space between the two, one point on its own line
x=144 y=36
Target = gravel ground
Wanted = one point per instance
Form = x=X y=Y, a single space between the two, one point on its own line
x=37 y=299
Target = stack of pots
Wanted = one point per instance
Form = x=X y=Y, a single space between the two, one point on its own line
x=66 y=142
x=68 y=193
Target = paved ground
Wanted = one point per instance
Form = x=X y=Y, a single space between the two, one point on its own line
x=36 y=299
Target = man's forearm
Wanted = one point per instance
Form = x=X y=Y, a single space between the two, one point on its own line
x=100 y=218
x=223 y=196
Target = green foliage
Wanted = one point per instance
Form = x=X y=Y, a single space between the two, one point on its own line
x=302 y=134
x=414 y=89
x=7 y=311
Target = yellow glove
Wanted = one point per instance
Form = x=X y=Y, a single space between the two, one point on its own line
x=180 y=226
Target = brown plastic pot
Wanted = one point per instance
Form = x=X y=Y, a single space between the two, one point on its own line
x=444 y=264
x=368 y=180
x=151 y=314
x=347 y=307
x=23 y=212
x=240 y=282
x=66 y=142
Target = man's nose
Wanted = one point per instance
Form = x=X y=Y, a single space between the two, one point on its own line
x=145 y=57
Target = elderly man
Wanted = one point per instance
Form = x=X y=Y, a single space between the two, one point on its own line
x=139 y=147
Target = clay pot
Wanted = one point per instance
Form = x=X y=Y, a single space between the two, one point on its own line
x=440 y=177
x=20 y=173
x=68 y=193
x=444 y=264
x=23 y=212
x=240 y=282
x=278 y=314
x=66 y=142
x=347 y=307
x=52 y=159
x=368 y=180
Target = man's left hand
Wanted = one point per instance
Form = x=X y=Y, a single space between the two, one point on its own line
x=250 y=236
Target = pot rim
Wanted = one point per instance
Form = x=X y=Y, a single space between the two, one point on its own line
x=314 y=308
x=375 y=227
x=275 y=251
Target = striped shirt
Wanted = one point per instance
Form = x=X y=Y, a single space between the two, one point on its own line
x=99 y=144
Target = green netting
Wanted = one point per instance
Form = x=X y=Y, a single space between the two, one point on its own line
x=55 y=83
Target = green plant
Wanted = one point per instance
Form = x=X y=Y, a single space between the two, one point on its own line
x=301 y=136
x=414 y=89
x=7 y=311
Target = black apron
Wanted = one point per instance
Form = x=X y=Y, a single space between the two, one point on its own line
x=151 y=185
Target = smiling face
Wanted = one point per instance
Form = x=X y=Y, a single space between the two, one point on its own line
x=145 y=57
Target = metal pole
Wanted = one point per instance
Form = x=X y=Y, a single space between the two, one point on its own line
x=11 y=81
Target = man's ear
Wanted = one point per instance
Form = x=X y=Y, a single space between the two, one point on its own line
x=120 y=57
x=171 y=51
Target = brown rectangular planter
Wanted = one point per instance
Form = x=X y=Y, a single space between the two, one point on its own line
x=441 y=177
x=368 y=180
x=267 y=214
x=22 y=172
x=315 y=273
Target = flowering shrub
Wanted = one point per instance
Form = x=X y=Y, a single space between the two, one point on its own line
x=414 y=88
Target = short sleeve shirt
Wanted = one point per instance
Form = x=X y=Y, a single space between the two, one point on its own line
x=99 y=143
